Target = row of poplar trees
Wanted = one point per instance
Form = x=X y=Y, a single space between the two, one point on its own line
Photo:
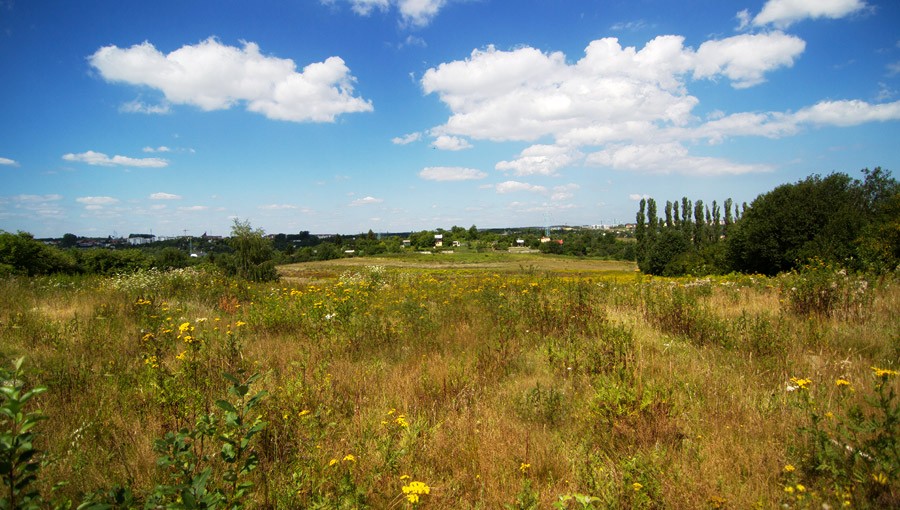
x=853 y=223
x=687 y=240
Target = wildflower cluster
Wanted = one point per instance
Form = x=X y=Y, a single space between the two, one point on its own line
x=414 y=491
x=850 y=452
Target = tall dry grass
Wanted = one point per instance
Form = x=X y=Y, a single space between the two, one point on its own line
x=494 y=388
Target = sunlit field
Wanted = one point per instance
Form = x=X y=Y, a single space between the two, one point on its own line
x=482 y=381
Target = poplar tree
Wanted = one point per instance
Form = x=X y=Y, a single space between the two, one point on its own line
x=698 y=223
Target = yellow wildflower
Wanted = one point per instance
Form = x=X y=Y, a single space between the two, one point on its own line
x=841 y=382
x=883 y=372
x=880 y=478
x=524 y=467
x=332 y=462
x=637 y=486
x=789 y=489
x=789 y=468
x=801 y=383
x=415 y=489
x=801 y=488
x=184 y=328
x=349 y=458
x=239 y=324
x=401 y=420
x=403 y=478
x=304 y=412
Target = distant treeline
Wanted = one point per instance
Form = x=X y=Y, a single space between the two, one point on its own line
x=253 y=254
x=837 y=219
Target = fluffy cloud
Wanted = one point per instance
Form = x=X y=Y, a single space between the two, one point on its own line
x=541 y=160
x=417 y=13
x=36 y=199
x=779 y=124
x=213 y=76
x=44 y=206
x=8 y=162
x=450 y=173
x=666 y=158
x=406 y=139
x=637 y=197
x=366 y=201
x=164 y=196
x=783 y=13
x=745 y=59
x=277 y=207
x=525 y=94
x=451 y=143
x=847 y=113
x=101 y=159
x=161 y=148
x=96 y=203
x=516 y=186
x=564 y=192
x=630 y=103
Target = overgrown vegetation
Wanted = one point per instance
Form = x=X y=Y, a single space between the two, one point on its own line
x=510 y=386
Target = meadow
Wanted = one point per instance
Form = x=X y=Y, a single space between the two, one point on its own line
x=475 y=381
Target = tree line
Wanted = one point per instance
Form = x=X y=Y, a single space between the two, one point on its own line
x=851 y=222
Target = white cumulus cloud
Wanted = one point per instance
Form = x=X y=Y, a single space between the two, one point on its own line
x=417 y=13
x=214 y=76
x=841 y=113
x=516 y=186
x=164 y=196
x=277 y=207
x=451 y=173
x=666 y=158
x=406 y=139
x=101 y=159
x=564 y=192
x=783 y=13
x=525 y=94
x=8 y=162
x=451 y=143
x=97 y=201
x=745 y=59
x=366 y=201
x=632 y=103
x=541 y=160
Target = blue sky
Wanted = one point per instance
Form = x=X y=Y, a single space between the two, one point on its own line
x=397 y=115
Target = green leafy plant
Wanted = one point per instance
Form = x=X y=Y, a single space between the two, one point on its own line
x=19 y=460
x=853 y=451
x=201 y=478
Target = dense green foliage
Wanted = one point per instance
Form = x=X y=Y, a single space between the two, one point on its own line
x=837 y=219
x=253 y=257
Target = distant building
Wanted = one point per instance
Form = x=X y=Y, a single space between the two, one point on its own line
x=137 y=239
x=438 y=240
